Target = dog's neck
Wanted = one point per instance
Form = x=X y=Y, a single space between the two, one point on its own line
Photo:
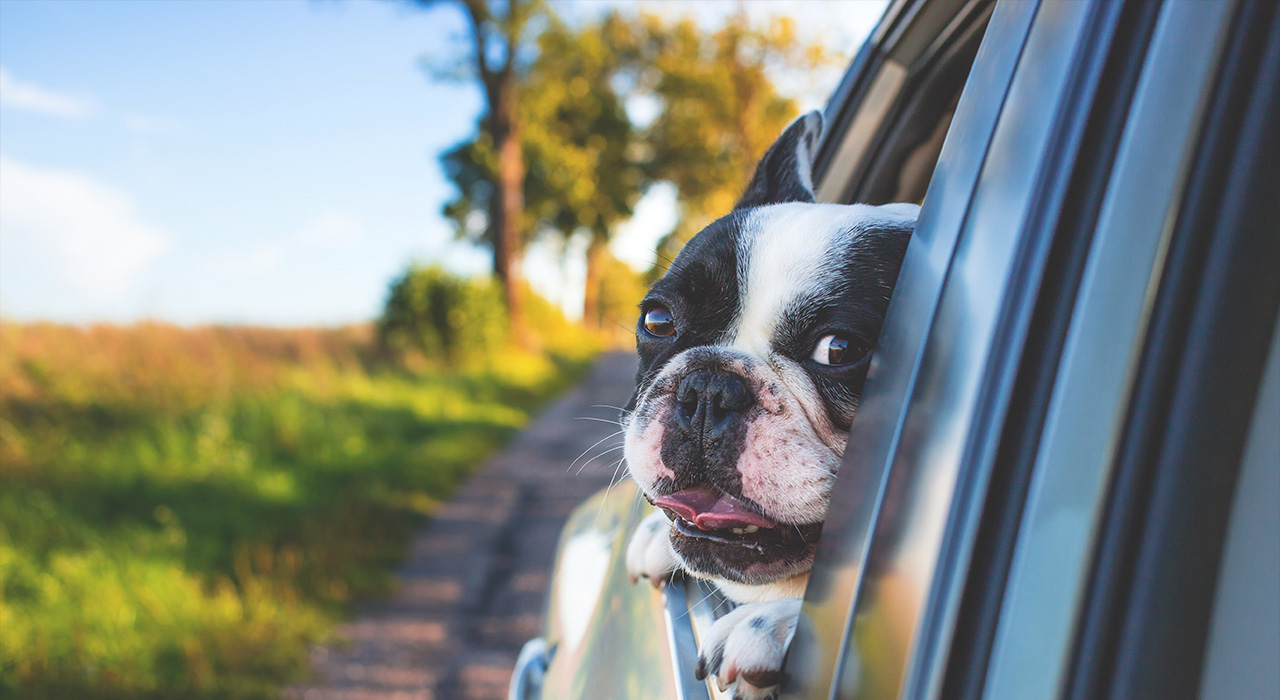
x=743 y=593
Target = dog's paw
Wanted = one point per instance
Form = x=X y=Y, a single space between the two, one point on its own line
x=744 y=649
x=649 y=553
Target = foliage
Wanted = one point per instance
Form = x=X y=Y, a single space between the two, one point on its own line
x=578 y=142
x=434 y=318
x=584 y=172
x=589 y=162
x=184 y=511
x=437 y=314
x=495 y=59
x=585 y=161
x=620 y=291
x=720 y=109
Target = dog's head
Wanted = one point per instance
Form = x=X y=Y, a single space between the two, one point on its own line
x=753 y=349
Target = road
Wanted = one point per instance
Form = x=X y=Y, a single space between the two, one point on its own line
x=472 y=589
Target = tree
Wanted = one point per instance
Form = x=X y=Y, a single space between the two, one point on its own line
x=588 y=162
x=583 y=176
x=720 y=109
x=498 y=34
x=588 y=175
x=441 y=317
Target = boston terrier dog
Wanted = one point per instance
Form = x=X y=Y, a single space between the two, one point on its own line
x=753 y=349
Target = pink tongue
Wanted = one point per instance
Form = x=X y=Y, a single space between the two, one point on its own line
x=709 y=509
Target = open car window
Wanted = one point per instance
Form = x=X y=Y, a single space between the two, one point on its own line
x=975 y=536
x=886 y=124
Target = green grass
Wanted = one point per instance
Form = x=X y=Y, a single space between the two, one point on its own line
x=164 y=534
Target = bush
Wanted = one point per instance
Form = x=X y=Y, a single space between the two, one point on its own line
x=442 y=316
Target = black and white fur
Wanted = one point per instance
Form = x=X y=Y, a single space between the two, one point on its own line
x=754 y=297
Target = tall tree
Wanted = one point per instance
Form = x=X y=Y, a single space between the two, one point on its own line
x=720 y=108
x=499 y=31
x=588 y=172
x=583 y=175
x=588 y=162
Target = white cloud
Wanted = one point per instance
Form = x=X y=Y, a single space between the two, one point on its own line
x=151 y=124
x=90 y=232
x=331 y=230
x=29 y=97
x=32 y=98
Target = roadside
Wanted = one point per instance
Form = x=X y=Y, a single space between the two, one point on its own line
x=472 y=589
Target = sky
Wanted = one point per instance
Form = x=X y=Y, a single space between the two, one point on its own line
x=272 y=162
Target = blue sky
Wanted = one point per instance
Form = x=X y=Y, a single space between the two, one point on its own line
x=270 y=162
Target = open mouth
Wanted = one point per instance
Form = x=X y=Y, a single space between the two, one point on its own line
x=706 y=513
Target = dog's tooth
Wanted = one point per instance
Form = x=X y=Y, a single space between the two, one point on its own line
x=751 y=528
x=740 y=531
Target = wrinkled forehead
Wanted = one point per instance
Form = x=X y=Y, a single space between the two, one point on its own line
x=794 y=257
x=751 y=271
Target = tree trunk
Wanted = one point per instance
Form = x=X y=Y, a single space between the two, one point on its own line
x=507 y=205
x=591 y=311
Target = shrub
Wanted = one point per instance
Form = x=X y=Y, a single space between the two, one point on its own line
x=442 y=316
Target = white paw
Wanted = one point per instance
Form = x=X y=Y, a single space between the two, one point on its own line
x=649 y=553
x=744 y=649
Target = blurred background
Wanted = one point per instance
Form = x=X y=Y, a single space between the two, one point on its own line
x=275 y=276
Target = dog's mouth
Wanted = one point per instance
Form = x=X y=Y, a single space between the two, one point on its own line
x=704 y=512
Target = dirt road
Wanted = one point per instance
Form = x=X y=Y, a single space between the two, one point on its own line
x=473 y=586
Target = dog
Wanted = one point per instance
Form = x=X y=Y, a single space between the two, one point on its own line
x=753 y=350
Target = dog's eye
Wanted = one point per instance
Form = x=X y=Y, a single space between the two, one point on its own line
x=658 y=322
x=838 y=350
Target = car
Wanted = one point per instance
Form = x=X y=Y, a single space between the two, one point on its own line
x=1064 y=477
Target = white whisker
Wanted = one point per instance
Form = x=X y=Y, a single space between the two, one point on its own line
x=700 y=602
x=584 y=452
x=599 y=420
x=605 y=405
x=615 y=448
x=608 y=489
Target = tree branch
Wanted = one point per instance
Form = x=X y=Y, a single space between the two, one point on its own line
x=515 y=23
x=478 y=13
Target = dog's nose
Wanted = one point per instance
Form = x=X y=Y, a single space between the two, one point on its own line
x=711 y=400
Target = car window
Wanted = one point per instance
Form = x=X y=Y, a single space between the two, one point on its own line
x=923 y=446
x=1245 y=634
x=821 y=650
x=1048 y=574
x=886 y=134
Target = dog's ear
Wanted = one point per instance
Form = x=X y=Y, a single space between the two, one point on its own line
x=785 y=174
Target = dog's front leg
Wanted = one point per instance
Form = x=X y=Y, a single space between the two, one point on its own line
x=745 y=648
x=649 y=553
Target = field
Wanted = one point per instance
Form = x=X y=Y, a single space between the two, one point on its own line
x=182 y=511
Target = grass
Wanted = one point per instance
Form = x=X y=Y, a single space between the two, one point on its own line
x=184 y=511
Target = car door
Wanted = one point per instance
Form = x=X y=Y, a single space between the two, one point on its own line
x=999 y=529
x=1038 y=480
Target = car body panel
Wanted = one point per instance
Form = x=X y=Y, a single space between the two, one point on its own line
x=600 y=627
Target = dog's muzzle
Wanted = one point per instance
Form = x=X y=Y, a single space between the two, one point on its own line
x=711 y=405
